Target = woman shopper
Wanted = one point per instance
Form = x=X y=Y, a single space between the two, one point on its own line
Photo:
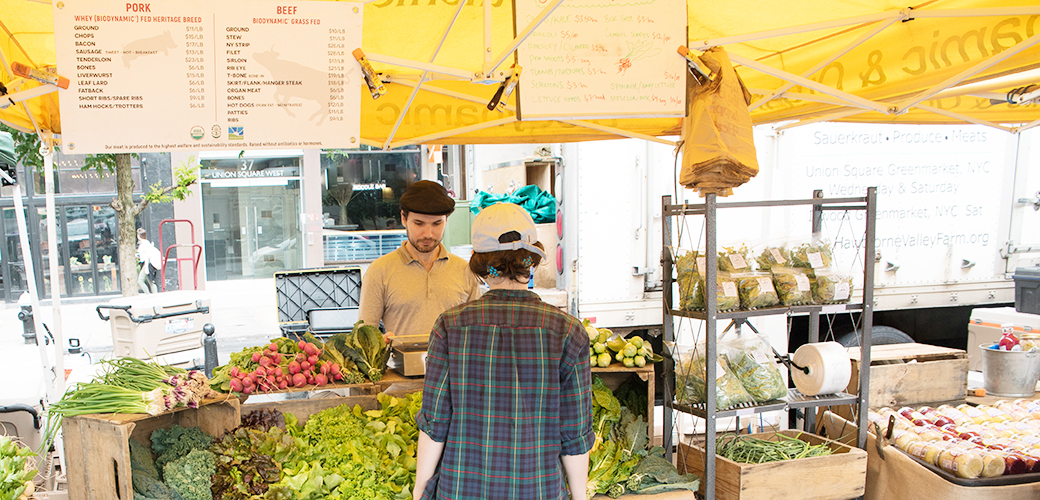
x=507 y=399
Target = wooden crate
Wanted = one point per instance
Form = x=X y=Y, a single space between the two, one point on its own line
x=899 y=477
x=302 y=409
x=840 y=475
x=97 y=447
x=615 y=375
x=908 y=374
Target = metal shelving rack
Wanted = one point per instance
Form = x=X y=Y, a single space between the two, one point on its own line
x=711 y=315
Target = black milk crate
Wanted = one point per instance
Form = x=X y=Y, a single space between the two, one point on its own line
x=304 y=290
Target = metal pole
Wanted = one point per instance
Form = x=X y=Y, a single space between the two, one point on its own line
x=669 y=334
x=711 y=355
x=868 y=316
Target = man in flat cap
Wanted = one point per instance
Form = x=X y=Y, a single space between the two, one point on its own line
x=410 y=287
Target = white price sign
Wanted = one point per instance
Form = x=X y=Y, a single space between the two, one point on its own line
x=197 y=75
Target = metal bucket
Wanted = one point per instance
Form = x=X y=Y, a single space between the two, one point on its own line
x=1010 y=373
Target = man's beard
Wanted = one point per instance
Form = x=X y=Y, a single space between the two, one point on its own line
x=426 y=245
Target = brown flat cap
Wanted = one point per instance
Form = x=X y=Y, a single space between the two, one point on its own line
x=427 y=197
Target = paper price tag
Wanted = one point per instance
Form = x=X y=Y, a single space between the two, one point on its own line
x=729 y=289
x=719 y=372
x=777 y=257
x=815 y=259
x=803 y=282
x=841 y=291
x=762 y=358
x=737 y=260
x=702 y=264
x=766 y=285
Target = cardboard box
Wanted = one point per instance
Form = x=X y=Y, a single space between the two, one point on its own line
x=899 y=477
x=97 y=447
x=616 y=374
x=907 y=374
x=840 y=475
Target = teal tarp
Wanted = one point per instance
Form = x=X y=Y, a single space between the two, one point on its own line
x=540 y=204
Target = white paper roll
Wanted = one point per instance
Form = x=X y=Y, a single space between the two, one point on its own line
x=829 y=368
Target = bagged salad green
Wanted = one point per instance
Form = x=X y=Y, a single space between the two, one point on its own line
x=750 y=359
x=735 y=260
x=756 y=290
x=690 y=376
x=815 y=255
x=793 y=286
x=773 y=256
x=831 y=287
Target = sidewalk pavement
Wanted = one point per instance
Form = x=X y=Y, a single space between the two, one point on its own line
x=244 y=313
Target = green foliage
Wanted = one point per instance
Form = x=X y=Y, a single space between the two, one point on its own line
x=141 y=461
x=184 y=176
x=248 y=461
x=654 y=474
x=365 y=345
x=26 y=147
x=190 y=475
x=176 y=442
x=621 y=441
x=15 y=468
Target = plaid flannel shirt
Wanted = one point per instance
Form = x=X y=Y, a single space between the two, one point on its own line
x=508 y=390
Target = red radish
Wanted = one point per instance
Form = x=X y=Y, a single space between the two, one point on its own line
x=313 y=359
x=334 y=368
x=256 y=357
x=337 y=376
x=310 y=378
x=277 y=371
x=247 y=390
x=283 y=384
x=277 y=358
x=299 y=380
x=301 y=357
x=310 y=349
x=320 y=379
x=233 y=371
x=236 y=385
x=273 y=347
x=265 y=361
x=294 y=367
x=305 y=366
x=301 y=344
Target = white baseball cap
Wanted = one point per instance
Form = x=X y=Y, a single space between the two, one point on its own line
x=504 y=226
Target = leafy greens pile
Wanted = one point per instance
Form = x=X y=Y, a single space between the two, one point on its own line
x=621 y=448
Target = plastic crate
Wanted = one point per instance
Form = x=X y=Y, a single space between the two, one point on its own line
x=167 y=326
x=1027 y=290
x=301 y=291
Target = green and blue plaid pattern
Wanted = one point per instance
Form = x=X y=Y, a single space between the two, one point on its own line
x=508 y=390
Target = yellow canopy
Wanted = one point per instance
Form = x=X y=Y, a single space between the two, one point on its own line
x=942 y=61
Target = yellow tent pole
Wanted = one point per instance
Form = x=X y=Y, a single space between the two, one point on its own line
x=613 y=130
x=981 y=88
x=793 y=30
x=408 y=63
x=1028 y=126
x=488 y=68
x=844 y=50
x=980 y=12
x=487 y=39
x=449 y=93
x=963 y=75
x=821 y=118
x=447 y=133
x=826 y=99
x=960 y=116
x=807 y=83
x=422 y=79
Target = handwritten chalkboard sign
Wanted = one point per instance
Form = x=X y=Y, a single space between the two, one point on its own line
x=603 y=59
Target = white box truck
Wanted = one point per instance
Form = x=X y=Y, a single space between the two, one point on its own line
x=957 y=213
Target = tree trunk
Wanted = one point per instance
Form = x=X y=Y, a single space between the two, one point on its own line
x=126 y=215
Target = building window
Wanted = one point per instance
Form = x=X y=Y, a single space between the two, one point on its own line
x=69 y=177
x=361 y=201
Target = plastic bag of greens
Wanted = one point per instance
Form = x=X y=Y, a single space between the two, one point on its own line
x=689 y=262
x=831 y=287
x=756 y=290
x=792 y=286
x=690 y=374
x=772 y=255
x=735 y=260
x=813 y=255
x=750 y=359
x=727 y=296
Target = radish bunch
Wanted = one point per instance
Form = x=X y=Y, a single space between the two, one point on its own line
x=278 y=367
